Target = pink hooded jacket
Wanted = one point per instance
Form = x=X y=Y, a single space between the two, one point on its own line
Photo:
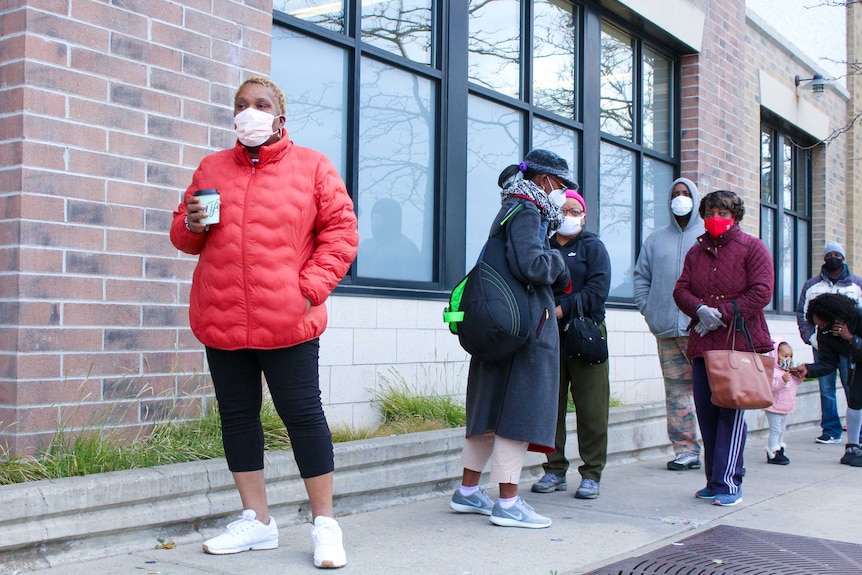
x=783 y=392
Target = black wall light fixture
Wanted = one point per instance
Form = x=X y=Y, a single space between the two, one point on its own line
x=817 y=83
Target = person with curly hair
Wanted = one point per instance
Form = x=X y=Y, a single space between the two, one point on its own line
x=727 y=269
x=839 y=335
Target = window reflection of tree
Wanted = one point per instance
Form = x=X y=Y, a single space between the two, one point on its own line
x=616 y=64
x=495 y=45
x=403 y=30
x=616 y=222
x=555 y=51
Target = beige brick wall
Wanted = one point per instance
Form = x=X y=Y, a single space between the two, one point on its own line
x=854 y=137
x=112 y=107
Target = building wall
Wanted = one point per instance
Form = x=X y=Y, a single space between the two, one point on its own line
x=112 y=107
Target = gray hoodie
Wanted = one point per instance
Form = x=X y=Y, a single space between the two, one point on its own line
x=659 y=265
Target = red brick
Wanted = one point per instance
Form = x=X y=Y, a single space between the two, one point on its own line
x=110 y=115
x=8 y=389
x=12 y=48
x=168 y=175
x=61 y=235
x=187 y=339
x=207 y=113
x=187 y=41
x=10 y=233
x=259 y=18
x=147 y=52
x=98 y=415
x=39 y=260
x=51 y=392
x=146 y=99
x=102 y=214
x=192 y=155
x=44 y=155
x=168 y=268
x=47 y=51
x=137 y=194
x=36 y=339
x=195 y=384
x=139 y=339
x=107 y=16
x=166 y=316
x=14 y=21
x=146 y=291
x=59 y=287
x=215 y=71
x=102 y=64
x=53 y=130
x=173 y=362
x=126 y=144
x=8 y=374
x=175 y=129
x=164 y=10
x=170 y=409
x=9 y=258
x=129 y=241
x=105 y=165
x=214 y=27
x=101 y=314
x=33 y=419
x=39 y=207
x=101 y=364
x=40 y=313
x=103 y=264
x=254 y=60
x=12 y=74
x=158 y=221
x=11 y=153
x=68 y=81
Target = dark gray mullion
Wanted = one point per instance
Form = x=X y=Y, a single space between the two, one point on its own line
x=591 y=85
x=352 y=25
x=453 y=181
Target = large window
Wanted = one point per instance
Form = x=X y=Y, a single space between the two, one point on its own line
x=422 y=103
x=785 y=212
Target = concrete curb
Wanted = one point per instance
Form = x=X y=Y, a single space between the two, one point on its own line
x=51 y=522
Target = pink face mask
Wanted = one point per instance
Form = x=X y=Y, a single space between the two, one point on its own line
x=253 y=127
x=717 y=226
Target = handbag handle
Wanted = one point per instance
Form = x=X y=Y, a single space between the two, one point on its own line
x=738 y=324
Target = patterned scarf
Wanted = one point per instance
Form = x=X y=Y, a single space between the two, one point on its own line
x=529 y=191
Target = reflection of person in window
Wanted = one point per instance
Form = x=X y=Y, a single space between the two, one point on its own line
x=388 y=254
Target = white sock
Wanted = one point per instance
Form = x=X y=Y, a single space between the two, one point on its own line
x=508 y=502
x=468 y=491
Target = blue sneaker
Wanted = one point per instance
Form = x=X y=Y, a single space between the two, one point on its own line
x=549 y=483
x=478 y=502
x=727 y=499
x=705 y=493
x=519 y=515
x=588 y=489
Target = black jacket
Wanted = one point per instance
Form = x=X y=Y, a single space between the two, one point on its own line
x=590 y=269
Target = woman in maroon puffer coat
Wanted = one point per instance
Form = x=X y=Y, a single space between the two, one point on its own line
x=725 y=265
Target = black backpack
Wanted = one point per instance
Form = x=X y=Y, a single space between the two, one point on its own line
x=489 y=310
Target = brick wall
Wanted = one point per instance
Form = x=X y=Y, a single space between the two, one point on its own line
x=108 y=108
x=854 y=137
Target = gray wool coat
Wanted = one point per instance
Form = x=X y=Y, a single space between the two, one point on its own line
x=516 y=398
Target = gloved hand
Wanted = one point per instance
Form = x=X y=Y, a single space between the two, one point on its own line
x=813 y=339
x=701 y=329
x=710 y=317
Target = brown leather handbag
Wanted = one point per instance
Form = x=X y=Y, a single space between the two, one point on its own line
x=739 y=379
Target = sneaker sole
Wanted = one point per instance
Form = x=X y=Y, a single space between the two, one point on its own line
x=830 y=442
x=720 y=504
x=559 y=487
x=707 y=497
x=677 y=467
x=459 y=508
x=506 y=522
x=579 y=495
x=330 y=565
x=234 y=550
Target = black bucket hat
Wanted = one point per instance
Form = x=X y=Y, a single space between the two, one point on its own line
x=547 y=162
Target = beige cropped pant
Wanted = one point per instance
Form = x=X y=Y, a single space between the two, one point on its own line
x=506 y=455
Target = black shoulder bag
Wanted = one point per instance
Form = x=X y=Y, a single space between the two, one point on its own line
x=582 y=337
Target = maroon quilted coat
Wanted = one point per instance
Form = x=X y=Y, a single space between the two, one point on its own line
x=736 y=266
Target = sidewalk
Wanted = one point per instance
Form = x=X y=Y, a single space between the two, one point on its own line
x=642 y=507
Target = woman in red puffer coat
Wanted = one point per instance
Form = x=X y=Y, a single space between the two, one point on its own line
x=286 y=237
x=726 y=265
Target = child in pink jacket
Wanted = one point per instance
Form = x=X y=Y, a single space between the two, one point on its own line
x=784 y=400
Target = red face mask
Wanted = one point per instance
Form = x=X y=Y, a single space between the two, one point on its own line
x=717 y=226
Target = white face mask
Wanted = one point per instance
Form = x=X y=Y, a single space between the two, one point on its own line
x=681 y=205
x=558 y=197
x=571 y=226
x=253 y=127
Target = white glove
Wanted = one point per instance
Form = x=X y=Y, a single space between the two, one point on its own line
x=701 y=329
x=710 y=317
x=813 y=339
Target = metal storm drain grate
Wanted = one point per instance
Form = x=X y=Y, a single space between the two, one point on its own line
x=725 y=550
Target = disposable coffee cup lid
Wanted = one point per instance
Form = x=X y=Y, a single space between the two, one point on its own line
x=205 y=192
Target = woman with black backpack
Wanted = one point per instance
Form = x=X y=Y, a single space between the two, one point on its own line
x=511 y=402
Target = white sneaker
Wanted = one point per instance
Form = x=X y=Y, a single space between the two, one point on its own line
x=328 y=549
x=244 y=534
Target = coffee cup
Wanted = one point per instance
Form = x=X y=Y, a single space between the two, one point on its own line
x=211 y=200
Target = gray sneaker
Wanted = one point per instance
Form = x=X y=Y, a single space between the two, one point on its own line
x=519 y=515
x=549 y=483
x=589 y=489
x=684 y=461
x=478 y=502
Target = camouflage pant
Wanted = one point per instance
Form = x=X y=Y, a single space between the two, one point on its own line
x=676 y=369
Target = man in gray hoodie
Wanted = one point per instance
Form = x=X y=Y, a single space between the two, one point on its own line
x=656 y=271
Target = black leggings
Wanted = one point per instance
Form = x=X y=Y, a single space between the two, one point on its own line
x=293 y=379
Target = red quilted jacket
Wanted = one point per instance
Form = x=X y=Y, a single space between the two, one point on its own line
x=287 y=232
x=736 y=266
